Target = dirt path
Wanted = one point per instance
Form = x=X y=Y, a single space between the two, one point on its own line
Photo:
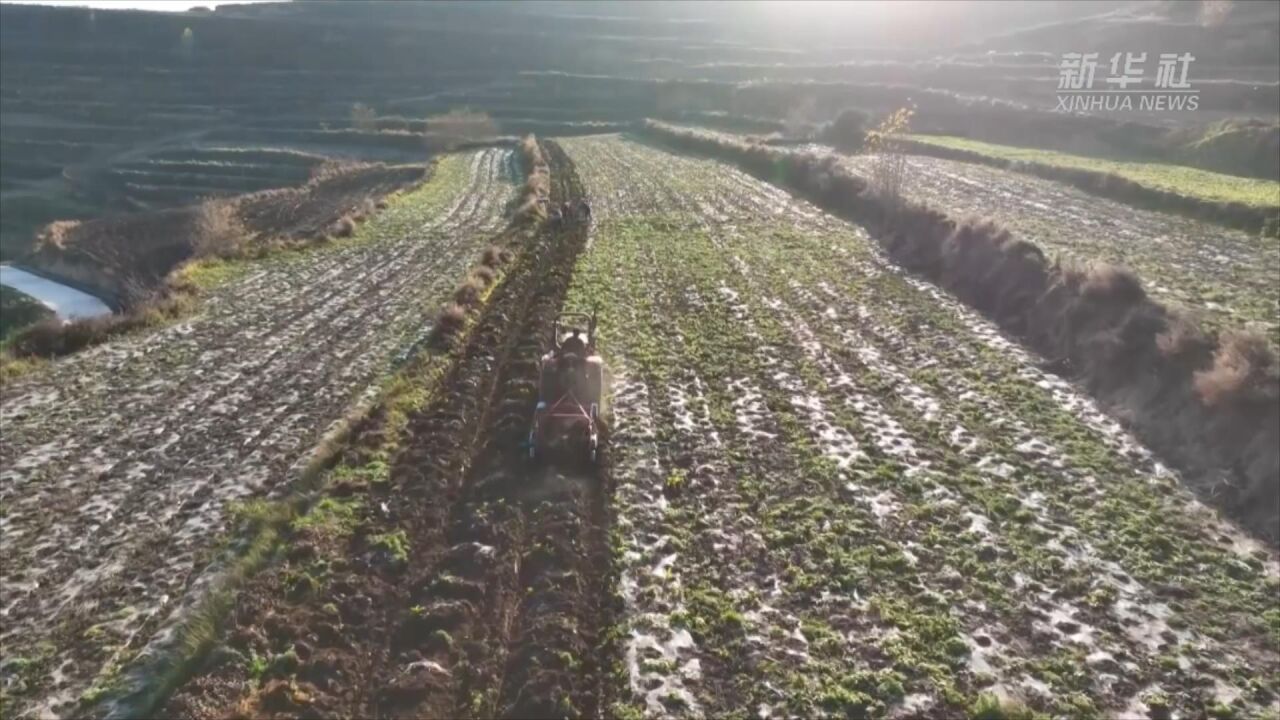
x=840 y=492
x=119 y=464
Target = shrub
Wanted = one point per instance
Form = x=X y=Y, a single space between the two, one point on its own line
x=483 y=274
x=217 y=229
x=364 y=118
x=452 y=318
x=468 y=293
x=52 y=337
x=889 y=165
x=494 y=256
x=530 y=203
x=343 y=227
x=458 y=126
x=56 y=233
x=1110 y=284
x=1244 y=371
x=848 y=132
x=1183 y=338
x=43 y=339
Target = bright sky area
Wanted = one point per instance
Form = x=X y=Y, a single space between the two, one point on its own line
x=158 y=5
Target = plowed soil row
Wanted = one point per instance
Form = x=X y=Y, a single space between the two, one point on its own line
x=120 y=464
x=839 y=492
x=489 y=603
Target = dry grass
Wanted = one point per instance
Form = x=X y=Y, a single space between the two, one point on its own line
x=1101 y=282
x=56 y=234
x=460 y=126
x=343 y=227
x=364 y=118
x=494 y=256
x=1244 y=372
x=1184 y=338
x=12 y=368
x=483 y=274
x=889 y=160
x=218 y=230
x=51 y=337
x=468 y=292
x=451 y=320
x=468 y=296
x=530 y=204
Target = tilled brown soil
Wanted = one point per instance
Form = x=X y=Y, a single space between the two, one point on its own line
x=119 y=464
x=499 y=607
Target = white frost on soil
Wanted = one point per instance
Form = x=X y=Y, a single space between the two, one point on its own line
x=119 y=463
x=662 y=661
x=844 y=337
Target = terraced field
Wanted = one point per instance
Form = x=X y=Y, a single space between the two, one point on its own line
x=1225 y=276
x=839 y=492
x=828 y=489
x=186 y=176
x=120 y=464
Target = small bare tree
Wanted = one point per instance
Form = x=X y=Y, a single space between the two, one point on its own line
x=1214 y=12
x=217 y=230
x=364 y=117
x=800 y=118
x=888 y=160
x=458 y=126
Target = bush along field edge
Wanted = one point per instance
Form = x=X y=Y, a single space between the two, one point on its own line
x=1206 y=401
x=353 y=454
x=1264 y=221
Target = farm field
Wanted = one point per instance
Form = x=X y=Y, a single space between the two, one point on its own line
x=441 y=576
x=828 y=490
x=864 y=453
x=1226 y=277
x=1189 y=181
x=839 y=492
x=120 y=465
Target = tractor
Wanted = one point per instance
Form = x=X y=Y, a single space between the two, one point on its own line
x=566 y=422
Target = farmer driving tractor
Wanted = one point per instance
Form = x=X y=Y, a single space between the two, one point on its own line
x=569 y=393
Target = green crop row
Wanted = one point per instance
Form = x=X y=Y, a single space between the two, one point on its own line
x=801 y=591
